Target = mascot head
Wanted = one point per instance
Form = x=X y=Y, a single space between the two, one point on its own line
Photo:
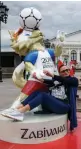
x=28 y=37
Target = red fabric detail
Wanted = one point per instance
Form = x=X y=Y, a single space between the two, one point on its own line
x=72 y=71
x=60 y=63
x=32 y=86
x=72 y=67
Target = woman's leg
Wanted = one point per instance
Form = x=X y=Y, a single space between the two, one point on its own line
x=55 y=105
x=48 y=102
x=35 y=97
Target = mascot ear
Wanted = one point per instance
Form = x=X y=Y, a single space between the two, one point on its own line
x=11 y=33
x=14 y=34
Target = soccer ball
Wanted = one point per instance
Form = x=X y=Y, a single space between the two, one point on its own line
x=30 y=18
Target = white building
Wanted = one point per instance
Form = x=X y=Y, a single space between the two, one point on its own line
x=72 y=46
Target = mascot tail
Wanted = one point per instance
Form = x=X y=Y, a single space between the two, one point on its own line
x=18 y=77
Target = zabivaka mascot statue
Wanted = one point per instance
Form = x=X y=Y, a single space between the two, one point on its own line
x=28 y=42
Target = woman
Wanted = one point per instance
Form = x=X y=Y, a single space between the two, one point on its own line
x=56 y=102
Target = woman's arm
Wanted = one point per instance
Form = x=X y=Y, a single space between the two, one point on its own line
x=71 y=81
x=50 y=82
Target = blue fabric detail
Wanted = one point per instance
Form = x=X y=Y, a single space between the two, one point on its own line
x=51 y=52
x=72 y=114
x=27 y=34
x=31 y=57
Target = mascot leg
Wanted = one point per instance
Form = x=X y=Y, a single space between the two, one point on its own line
x=21 y=97
x=29 y=87
x=19 y=81
x=15 y=104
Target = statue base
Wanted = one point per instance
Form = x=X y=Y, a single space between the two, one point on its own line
x=35 y=129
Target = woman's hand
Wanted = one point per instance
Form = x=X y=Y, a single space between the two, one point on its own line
x=47 y=73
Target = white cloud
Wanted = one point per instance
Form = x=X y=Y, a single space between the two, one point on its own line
x=63 y=15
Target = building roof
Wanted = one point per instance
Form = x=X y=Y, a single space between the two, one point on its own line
x=67 y=35
x=73 y=33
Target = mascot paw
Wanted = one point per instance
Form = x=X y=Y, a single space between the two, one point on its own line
x=37 y=74
x=42 y=75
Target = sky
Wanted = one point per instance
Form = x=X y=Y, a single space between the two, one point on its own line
x=57 y=15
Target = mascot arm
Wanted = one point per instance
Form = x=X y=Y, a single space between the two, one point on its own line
x=29 y=67
x=30 y=61
x=59 y=43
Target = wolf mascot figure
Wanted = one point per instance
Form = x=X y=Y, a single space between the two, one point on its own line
x=30 y=44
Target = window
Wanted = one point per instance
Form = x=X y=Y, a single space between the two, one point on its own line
x=7 y=61
x=80 y=56
x=73 y=55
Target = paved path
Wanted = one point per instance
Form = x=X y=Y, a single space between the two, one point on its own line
x=9 y=92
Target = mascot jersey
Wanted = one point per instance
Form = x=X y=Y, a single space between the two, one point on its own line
x=42 y=60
